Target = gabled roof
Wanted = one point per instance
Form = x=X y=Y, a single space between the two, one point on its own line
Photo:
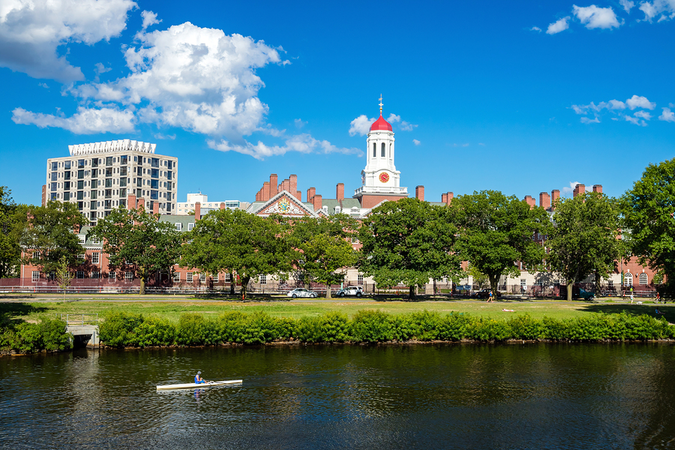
x=284 y=204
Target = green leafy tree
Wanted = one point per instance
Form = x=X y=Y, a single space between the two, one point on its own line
x=140 y=239
x=238 y=242
x=12 y=222
x=50 y=235
x=408 y=241
x=649 y=214
x=584 y=238
x=322 y=248
x=496 y=232
x=479 y=278
x=63 y=275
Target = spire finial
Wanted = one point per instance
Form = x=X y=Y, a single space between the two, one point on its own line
x=380 y=104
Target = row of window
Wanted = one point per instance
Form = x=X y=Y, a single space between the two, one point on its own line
x=112 y=276
x=109 y=161
x=383 y=152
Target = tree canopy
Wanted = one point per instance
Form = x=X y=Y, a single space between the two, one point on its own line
x=649 y=213
x=583 y=239
x=50 y=235
x=12 y=221
x=496 y=232
x=137 y=238
x=238 y=242
x=410 y=242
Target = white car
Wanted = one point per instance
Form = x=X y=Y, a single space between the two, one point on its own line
x=302 y=292
x=355 y=291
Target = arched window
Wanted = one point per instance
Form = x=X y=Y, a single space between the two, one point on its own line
x=390 y=151
x=628 y=279
x=384 y=151
x=374 y=149
x=643 y=278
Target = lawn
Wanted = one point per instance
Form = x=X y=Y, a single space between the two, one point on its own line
x=32 y=309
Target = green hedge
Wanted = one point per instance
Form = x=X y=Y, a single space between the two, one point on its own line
x=129 y=330
x=24 y=337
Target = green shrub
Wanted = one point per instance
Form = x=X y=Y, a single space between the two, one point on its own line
x=453 y=327
x=372 y=326
x=525 y=327
x=119 y=329
x=329 y=327
x=194 y=329
x=54 y=336
x=154 y=331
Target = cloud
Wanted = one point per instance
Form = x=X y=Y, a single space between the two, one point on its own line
x=640 y=102
x=44 y=85
x=643 y=115
x=100 y=68
x=460 y=145
x=557 y=27
x=31 y=32
x=85 y=121
x=570 y=189
x=149 y=19
x=537 y=29
x=587 y=120
x=299 y=123
x=664 y=9
x=165 y=136
x=416 y=142
x=627 y=5
x=302 y=143
x=360 y=125
x=635 y=121
x=667 y=115
x=595 y=17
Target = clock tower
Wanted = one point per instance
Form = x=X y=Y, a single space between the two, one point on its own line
x=380 y=180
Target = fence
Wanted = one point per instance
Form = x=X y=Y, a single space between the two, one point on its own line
x=79 y=319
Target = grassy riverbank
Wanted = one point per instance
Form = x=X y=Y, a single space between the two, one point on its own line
x=31 y=309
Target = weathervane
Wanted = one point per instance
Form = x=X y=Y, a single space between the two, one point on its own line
x=380 y=104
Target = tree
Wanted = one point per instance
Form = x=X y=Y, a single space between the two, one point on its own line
x=63 y=275
x=238 y=242
x=584 y=238
x=137 y=238
x=408 y=241
x=51 y=234
x=496 y=232
x=12 y=222
x=322 y=247
x=649 y=217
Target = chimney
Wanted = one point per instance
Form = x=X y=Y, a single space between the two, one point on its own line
x=266 y=191
x=444 y=198
x=310 y=194
x=285 y=185
x=273 y=184
x=450 y=197
x=579 y=189
x=340 y=192
x=317 y=201
x=545 y=200
x=131 y=201
x=141 y=204
x=222 y=205
x=597 y=188
x=155 y=208
x=419 y=193
x=293 y=184
x=44 y=195
x=198 y=211
x=530 y=201
x=298 y=195
x=555 y=195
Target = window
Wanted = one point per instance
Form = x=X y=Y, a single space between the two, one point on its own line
x=178 y=225
x=129 y=276
x=112 y=276
x=643 y=278
x=154 y=162
x=384 y=151
x=154 y=184
x=359 y=279
x=80 y=274
x=123 y=161
x=66 y=165
x=94 y=163
x=36 y=276
x=80 y=163
x=154 y=173
x=55 y=166
x=215 y=278
x=123 y=182
x=94 y=258
x=628 y=279
x=523 y=284
x=66 y=196
x=189 y=277
x=227 y=277
x=202 y=277
x=96 y=274
x=80 y=195
x=54 y=176
x=109 y=161
x=123 y=192
x=176 y=277
x=94 y=184
x=154 y=195
x=66 y=175
x=263 y=279
x=374 y=149
x=168 y=174
x=190 y=226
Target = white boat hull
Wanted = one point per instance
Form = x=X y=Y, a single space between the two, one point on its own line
x=198 y=386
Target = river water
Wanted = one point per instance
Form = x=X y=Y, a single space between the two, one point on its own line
x=544 y=396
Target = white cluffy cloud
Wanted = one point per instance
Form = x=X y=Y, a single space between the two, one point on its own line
x=595 y=17
x=667 y=115
x=149 y=19
x=569 y=190
x=361 y=125
x=303 y=143
x=537 y=29
x=31 y=32
x=85 y=121
x=617 y=108
x=416 y=142
x=558 y=26
x=663 y=9
x=627 y=5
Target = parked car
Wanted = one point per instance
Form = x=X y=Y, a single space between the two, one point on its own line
x=583 y=294
x=302 y=292
x=485 y=293
x=352 y=291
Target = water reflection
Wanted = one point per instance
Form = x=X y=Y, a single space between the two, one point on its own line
x=425 y=396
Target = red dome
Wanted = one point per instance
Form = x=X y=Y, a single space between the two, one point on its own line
x=381 y=125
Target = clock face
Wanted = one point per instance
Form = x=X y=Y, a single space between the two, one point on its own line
x=384 y=177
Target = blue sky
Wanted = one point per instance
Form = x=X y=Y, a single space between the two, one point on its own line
x=517 y=96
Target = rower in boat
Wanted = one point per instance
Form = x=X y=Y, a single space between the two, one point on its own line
x=198 y=378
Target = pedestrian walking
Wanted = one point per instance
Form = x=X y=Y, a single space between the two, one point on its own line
x=490 y=297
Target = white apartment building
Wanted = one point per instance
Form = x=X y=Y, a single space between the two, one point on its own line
x=185 y=208
x=100 y=177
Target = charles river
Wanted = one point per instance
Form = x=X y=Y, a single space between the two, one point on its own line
x=516 y=396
